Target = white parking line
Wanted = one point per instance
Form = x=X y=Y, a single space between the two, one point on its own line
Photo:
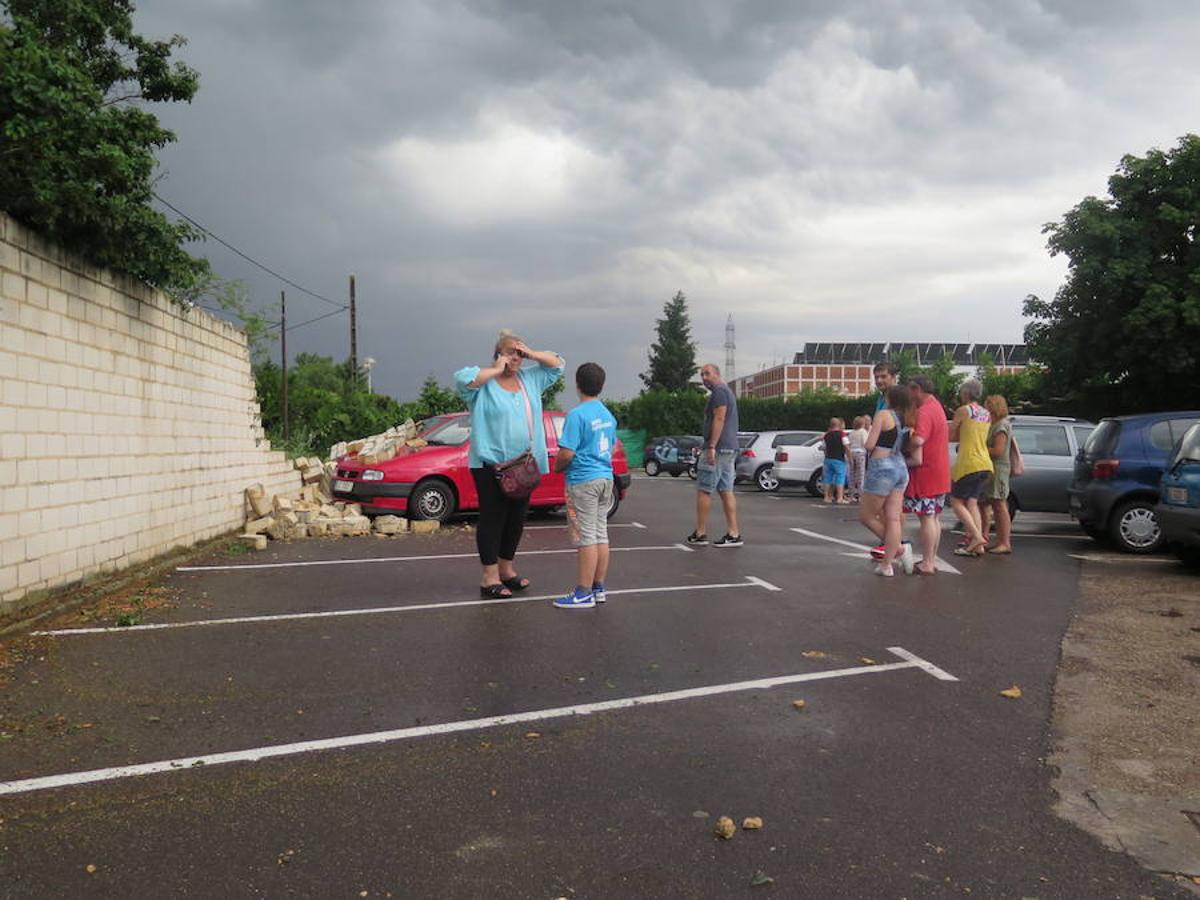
x=1034 y=534
x=386 y=559
x=563 y=526
x=1121 y=558
x=255 y=754
x=751 y=581
x=942 y=565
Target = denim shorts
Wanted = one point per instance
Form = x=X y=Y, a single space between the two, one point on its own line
x=833 y=473
x=885 y=474
x=718 y=477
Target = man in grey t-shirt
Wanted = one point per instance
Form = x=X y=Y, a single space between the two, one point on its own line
x=715 y=468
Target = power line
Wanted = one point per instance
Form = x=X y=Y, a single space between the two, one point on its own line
x=307 y=322
x=250 y=259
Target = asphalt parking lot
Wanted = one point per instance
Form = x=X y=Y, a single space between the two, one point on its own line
x=349 y=718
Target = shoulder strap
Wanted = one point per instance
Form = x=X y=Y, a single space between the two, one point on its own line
x=528 y=409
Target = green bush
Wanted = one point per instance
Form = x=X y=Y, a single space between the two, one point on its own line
x=682 y=412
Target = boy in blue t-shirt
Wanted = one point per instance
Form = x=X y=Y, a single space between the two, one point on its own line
x=585 y=454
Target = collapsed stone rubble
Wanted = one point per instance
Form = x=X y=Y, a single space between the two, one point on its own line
x=312 y=511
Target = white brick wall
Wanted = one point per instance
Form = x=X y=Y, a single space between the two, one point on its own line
x=128 y=426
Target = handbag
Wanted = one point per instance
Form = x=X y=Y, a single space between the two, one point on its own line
x=1016 y=461
x=518 y=477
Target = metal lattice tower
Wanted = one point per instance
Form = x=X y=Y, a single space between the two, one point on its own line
x=730 y=346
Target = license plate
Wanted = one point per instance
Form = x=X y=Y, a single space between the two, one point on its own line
x=1177 y=495
x=344 y=486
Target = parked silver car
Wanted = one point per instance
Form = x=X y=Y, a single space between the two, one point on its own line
x=1048 y=445
x=756 y=456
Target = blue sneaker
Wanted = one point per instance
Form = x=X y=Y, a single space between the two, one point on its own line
x=598 y=592
x=575 y=600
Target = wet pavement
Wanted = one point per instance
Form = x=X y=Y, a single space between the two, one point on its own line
x=642 y=721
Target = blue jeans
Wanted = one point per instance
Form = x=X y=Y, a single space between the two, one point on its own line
x=718 y=477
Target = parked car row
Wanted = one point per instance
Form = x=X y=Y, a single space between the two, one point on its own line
x=1131 y=480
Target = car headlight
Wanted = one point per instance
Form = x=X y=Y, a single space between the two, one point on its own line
x=372 y=475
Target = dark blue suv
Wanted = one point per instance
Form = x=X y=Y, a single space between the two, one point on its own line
x=1117 y=475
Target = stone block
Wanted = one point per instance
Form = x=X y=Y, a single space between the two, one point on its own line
x=353 y=509
x=386 y=525
x=254 y=541
x=358 y=524
x=424 y=526
x=351 y=525
x=258 y=526
x=258 y=500
x=300 y=531
x=299 y=463
x=312 y=474
x=329 y=511
x=282 y=504
x=319 y=528
x=305 y=516
x=283 y=527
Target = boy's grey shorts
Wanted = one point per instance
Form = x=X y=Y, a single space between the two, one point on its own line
x=587 y=511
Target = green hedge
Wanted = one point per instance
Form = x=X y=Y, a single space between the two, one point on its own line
x=682 y=412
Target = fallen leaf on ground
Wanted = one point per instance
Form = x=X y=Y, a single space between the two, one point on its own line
x=725 y=828
x=1012 y=693
x=799 y=704
x=90 y=869
x=533 y=734
x=866 y=660
x=752 y=823
x=814 y=654
x=759 y=878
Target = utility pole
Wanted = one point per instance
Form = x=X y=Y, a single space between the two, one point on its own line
x=283 y=355
x=353 y=334
x=730 y=346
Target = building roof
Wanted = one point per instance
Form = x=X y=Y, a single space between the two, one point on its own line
x=923 y=353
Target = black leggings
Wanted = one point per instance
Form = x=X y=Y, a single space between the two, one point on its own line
x=501 y=519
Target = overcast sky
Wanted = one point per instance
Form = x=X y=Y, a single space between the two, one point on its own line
x=859 y=171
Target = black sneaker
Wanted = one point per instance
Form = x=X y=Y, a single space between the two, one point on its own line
x=730 y=540
x=696 y=539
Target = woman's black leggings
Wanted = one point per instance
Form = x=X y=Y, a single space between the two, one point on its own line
x=501 y=519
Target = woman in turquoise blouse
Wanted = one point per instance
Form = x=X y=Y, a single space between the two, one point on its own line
x=496 y=397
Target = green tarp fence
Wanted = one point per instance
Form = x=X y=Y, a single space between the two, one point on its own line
x=635 y=444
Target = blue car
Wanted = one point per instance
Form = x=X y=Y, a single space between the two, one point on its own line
x=1178 y=507
x=1115 y=486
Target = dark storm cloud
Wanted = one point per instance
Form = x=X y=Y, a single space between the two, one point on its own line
x=854 y=171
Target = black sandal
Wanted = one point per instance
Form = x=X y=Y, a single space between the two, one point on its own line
x=495 y=591
x=516 y=583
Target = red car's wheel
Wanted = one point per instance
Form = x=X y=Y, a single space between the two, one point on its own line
x=431 y=499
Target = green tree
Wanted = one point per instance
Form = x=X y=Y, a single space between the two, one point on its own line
x=434 y=400
x=1123 y=331
x=76 y=143
x=550 y=395
x=326 y=404
x=673 y=355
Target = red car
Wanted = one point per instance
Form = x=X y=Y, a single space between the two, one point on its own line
x=434 y=482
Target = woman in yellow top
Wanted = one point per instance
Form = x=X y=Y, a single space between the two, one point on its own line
x=972 y=466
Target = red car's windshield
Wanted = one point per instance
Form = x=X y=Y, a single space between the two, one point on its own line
x=448 y=432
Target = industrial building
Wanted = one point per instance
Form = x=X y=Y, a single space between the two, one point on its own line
x=848 y=368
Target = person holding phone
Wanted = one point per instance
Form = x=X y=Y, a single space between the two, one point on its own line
x=505 y=402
